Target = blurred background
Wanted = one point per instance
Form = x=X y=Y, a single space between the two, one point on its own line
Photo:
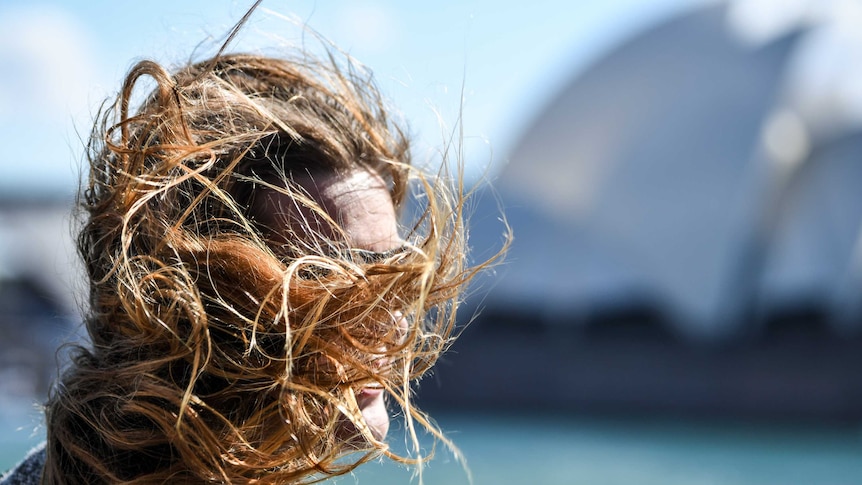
x=682 y=303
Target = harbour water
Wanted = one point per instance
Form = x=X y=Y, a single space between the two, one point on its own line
x=555 y=450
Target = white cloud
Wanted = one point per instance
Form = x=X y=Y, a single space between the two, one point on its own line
x=370 y=27
x=50 y=55
x=47 y=74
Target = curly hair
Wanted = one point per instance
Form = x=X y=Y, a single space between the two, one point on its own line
x=219 y=354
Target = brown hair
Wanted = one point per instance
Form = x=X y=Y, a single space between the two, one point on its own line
x=218 y=356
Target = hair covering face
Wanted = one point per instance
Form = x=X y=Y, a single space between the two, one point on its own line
x=233 y=341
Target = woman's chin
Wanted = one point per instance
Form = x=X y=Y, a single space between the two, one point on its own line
x=374 y=411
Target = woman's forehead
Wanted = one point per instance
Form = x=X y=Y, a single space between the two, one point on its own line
x=345 y=189
x=358 y=201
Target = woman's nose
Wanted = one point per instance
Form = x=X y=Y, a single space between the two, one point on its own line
x=402 y=325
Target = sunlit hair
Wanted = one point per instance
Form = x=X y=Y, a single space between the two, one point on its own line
x=220 y=355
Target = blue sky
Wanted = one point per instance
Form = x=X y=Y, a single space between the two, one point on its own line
x=62 y=58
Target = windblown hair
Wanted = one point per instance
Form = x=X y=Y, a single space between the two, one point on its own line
x=221 y=355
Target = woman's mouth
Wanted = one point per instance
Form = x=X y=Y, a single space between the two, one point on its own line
x=373 y=408
x=367 y=395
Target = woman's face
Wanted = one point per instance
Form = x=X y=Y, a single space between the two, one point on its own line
x=360 y=203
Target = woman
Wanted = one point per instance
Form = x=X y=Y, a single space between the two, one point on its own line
x=253 y=301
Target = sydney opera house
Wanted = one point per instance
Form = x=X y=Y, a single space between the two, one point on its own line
x=687 y=235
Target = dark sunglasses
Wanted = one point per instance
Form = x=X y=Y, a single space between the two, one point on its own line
x=364 y=256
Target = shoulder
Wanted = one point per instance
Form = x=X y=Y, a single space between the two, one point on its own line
x=29 y=471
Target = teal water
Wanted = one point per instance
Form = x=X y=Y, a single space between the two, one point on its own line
x=553 y=450
x=549 y=450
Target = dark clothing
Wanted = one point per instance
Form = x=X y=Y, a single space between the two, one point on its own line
x=29 y=471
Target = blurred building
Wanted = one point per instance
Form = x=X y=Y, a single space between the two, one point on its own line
x=688 y=232
x=38 y=297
